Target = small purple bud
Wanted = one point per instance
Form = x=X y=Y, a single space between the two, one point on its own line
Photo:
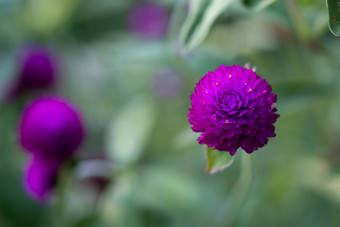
x=40 y=177
x=51 y=128
x=36 y=70
x=149 y=20
x=167 y=83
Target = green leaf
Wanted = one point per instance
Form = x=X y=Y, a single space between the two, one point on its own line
x=334 y=16
x=258 y=4
x=130 y=130
x=167 y=189
x=202 y=14
x=48 y=16
x=217 y=160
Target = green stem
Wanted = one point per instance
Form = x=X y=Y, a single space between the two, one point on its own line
x=59 y=219
x=235 y=199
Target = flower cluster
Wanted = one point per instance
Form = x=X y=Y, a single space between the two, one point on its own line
x=51 y=130
x=233 y=107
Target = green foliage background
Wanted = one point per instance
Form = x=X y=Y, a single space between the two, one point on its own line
x=157 y=166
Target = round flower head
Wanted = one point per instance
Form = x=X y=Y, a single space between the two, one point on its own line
x=37 y=69
x=149 y=20
x=40 y=177
x=51 y=128
x=233 y=107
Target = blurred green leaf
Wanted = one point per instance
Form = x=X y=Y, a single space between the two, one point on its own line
x=334 y=16
x=130 y=130
x=312 y=171
x=301 y=87
x=315 y=174
x=167 y=189
x=202 y=14
x=258 y=4
x=8 y=5
x=217 y=160
x=47 y=16
x=243 y=36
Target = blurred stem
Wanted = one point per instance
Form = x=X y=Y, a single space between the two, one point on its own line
x=235 y=199
x=300 y=26
x=59 y=219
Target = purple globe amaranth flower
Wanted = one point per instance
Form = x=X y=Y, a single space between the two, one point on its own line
x=37 y=70
x=40 y=177
x=51 y=128
x=233 y=107
x=149 y=20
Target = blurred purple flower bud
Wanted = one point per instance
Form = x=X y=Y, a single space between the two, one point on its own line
x=149 y=20
x=51 y=128
x=40 y=177
x=167 y=83
x=37 y=70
